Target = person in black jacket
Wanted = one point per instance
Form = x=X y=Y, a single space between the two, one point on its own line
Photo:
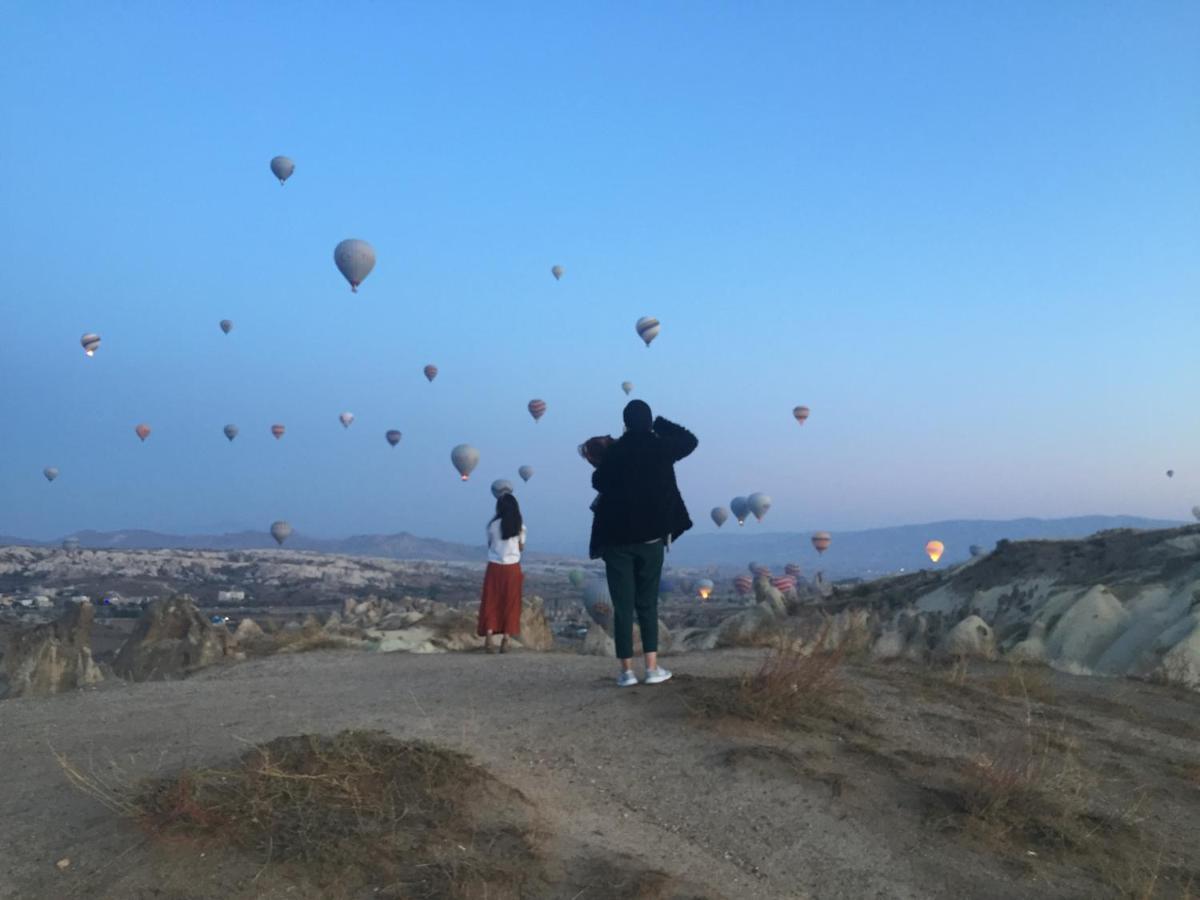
x=639 y=513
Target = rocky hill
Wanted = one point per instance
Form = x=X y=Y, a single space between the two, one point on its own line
x=1120 y=602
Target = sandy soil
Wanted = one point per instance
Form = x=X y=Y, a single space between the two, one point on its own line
x=625 y=779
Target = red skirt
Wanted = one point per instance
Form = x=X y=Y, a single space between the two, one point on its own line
x=500 y=605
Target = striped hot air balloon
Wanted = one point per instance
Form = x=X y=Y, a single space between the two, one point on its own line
x=743 y=584
x=90 y=343
x=758 y=569
x=647 y=328
x=783 y=583
x=801 y=414
x=537 y=409
x=821 y=541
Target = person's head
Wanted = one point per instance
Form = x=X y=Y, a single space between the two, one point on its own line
x=593 y=449
x=508 y=511
x=638 y=416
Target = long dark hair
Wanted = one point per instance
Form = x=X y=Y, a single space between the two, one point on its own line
x=508 y=511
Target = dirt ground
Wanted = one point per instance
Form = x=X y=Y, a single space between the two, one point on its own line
x=640 y=795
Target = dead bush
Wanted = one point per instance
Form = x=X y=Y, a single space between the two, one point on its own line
x=355 y=810
x=1024 y=682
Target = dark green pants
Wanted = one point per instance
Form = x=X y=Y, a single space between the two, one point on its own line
x=633 y=573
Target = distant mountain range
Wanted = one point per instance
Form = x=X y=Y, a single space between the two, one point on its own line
x=867 y=553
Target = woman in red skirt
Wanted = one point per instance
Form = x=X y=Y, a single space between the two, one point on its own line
x=500 y=606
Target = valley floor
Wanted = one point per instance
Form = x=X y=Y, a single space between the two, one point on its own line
x=863 y=804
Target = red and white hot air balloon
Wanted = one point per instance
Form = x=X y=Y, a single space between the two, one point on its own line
x=783 y=583
x=821 y=541
x=801 y=414
x=278 y=431
x=537 y=409
x=142 y=431
x=743 y=584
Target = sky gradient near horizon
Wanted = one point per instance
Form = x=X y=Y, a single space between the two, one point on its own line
x=967 y=237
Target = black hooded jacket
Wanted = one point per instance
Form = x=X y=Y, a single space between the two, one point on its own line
x=639 y=499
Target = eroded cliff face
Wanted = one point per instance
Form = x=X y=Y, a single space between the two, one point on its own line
x=1117 y=603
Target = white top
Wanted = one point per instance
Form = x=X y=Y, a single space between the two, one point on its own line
x=504 y=552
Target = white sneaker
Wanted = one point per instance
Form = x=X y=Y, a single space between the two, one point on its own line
x=627 y=679
x=657 y=675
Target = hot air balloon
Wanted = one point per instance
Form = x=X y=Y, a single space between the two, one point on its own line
x=537 y=409
x=743 y=584
x=393 y=437
x=758 y=570
x=821 y=541
x=226 y=325
x=627 y=387
x=465 y=458
x=231 y=431
x=740 y=509
x=90 y=343
x=1170 y=473
x=976 y=550
x=598 y=602
x=142 y=431
x=347 y=419
x=557 y=272
x=500 y=487
x=575 y=576
x=431 y=371
x=70 y=544
x=282 y=168
x=793 y=569
x=647 y=328
x=1196 y=512
x=526 y=472
x=935 y=549
x=278 y=431
x=51 y=472
x=281 y=531
x=355 y=259
x=720 y=515
x=783 y=583
x=758 y=503
x=704 y=587
x=801 y=413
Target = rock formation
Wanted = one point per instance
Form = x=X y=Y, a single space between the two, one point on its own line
x=53 y=657
x=173 y=639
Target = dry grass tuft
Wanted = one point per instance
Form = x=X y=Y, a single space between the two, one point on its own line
x=1024 y=682
x=794 y=685
x=358 y=810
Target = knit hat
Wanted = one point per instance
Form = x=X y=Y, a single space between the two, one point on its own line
x=638 y=416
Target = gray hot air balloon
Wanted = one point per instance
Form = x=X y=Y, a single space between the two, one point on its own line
x=557 y=272
x=648 y=328
x=1170 y=473
x=90 y=343
x=740 y=509
x=51 y=472
x=281 y=531
x=720 y=515
x=393 y=437
x=500 y=487
x=355 y=259
x=282 y=168
x=526 y=472
x=231 y=431
x=226 y=326
x=347 y=419
x=598 y=602
x=627 y=387
x=465 y=458
x=758 y=503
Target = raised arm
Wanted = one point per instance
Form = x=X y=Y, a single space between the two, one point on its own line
x=679 y=441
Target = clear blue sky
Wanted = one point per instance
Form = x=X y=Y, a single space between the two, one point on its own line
x=966 y=235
